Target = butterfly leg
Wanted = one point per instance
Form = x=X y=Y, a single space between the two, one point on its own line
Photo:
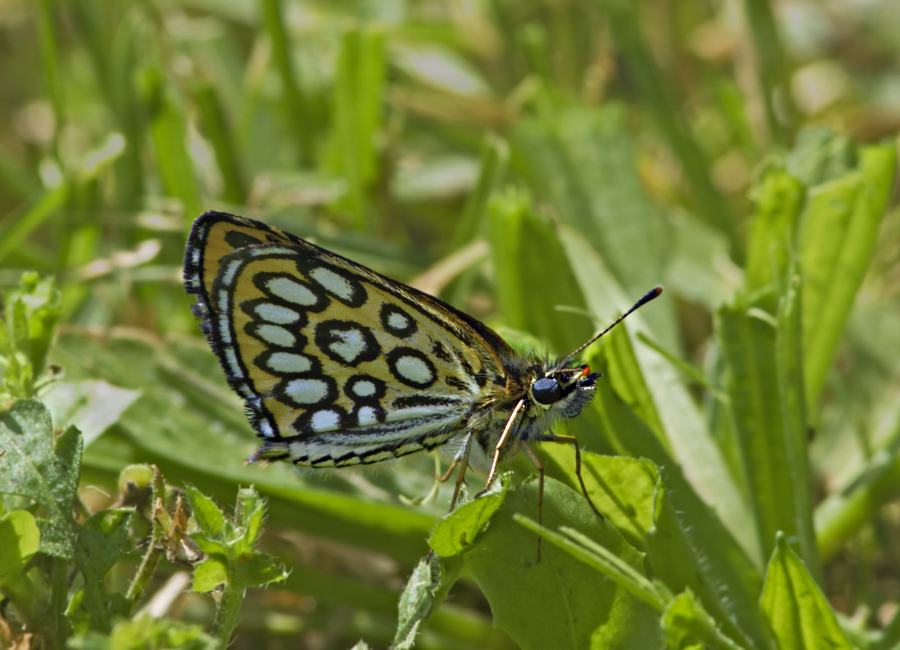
x=463 y=459
x=510 y=423
x=574 y=441
x=443 y=478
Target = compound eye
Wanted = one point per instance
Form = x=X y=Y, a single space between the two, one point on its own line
x=546 y=390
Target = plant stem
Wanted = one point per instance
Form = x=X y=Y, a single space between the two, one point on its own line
x=59 y=588
x=227 y=615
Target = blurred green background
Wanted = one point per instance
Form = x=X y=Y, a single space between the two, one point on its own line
x=539 y=165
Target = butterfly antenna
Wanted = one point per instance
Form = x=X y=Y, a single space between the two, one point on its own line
x=647 y=297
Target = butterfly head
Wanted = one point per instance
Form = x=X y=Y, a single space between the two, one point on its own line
x=564 y=390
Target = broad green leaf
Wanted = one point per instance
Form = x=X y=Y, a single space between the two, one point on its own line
x=689 y=548
x=556 y=602
x=779 y=199
x=838 y=232
x=583 y=548
x=41 y=468
x=101 y=539
x=686 y=624
x=747 y=340
x=207 y=515
x=621 y=488
x=19 y=541
x=798 y=612
x=209 y=574
x=626 y=433
x=457 y=531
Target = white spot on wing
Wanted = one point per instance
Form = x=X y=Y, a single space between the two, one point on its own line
x=292 y=291
x=229 y=272
x=397 y=321
x=332 y=282
x=276 y=313
x=265 y=251
x=231 y=359
x=325 y=421
x=418 y=413
x=224 y=331
x=307 y=391
x=414 y=369
x=364 y=388
x=288 y=362
x=351 y=345
x=276 y=335
x=366 y=416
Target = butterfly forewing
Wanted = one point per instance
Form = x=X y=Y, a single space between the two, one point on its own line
x=348 y=366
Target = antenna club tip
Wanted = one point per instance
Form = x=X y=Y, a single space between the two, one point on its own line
x=647 y=297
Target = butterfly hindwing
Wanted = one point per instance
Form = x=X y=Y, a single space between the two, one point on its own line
x=349 y=366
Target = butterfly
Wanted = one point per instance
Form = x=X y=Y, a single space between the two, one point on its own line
x=339 y=365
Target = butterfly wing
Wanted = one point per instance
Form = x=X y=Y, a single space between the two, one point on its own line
x=338 y=365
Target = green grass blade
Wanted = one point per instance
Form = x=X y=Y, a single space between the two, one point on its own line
x=798 y=611
x=357 y=115
x=492 y=167
x=20 y=224
x=838 y=235
x=50 y=40
x=789 y=372
x=779 y=199
x=169 y=135
x=659 y=97
x=747 y=340
x=213 y=117
x=296 y=106
x=844 y=513
x=533 y=275
x=772 y=69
